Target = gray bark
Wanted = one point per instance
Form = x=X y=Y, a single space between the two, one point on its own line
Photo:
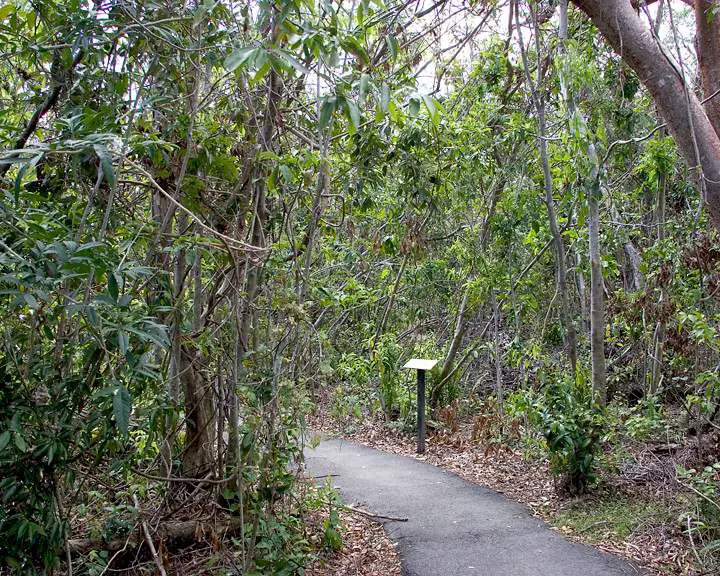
x=559 y=244
x=693 y=127
x=597 y=296
x=498 y=357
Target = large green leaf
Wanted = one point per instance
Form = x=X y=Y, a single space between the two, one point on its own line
x=122 y=407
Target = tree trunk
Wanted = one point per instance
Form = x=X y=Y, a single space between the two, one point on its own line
x=597 y=297
x=498 y=358
x=389 y=303
x=631 y=254
x=449 y=362
x=707 y=25
x=581 y=290
x=198 y=453
x=694 y=128
x=560 y=263
x=658 y=343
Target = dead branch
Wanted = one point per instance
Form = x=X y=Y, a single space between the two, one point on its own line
x=148 y=539
x=350 y=508
x=184 y=532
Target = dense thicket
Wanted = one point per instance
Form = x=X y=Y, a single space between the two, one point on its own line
x=215 y=214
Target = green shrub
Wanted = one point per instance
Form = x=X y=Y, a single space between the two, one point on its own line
x=573 y=430
x=386 y=359
x=646 y=419
x=703 y=522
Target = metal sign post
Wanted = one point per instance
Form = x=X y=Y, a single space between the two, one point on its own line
x=421 y=366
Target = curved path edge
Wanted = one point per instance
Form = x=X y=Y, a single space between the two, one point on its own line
x=454 y=527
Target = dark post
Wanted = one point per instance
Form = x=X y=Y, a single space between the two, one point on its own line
x=421 y=411
x=421 y=365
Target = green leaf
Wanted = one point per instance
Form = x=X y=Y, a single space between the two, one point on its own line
x=106 y=164
x=239 y=57
x=352 y=45
x=385 y=98
x=4 y=440
x=20 y=443
x=26 y=165
x=31 y=301
x=122 y=407
x=292 y=61
x=364 y=84
x=113 y=289
x=285 y=172
x=353 y=113
x=413 y=106
x=392 y=45
x=6 y=10
x=326 y=111
x=123 y=341
x=433 y=107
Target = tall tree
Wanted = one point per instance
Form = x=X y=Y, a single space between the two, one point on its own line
x=694 y=125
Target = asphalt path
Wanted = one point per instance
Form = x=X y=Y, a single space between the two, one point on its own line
x=453 y=527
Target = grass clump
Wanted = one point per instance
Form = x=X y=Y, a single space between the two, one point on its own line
x=607 y=518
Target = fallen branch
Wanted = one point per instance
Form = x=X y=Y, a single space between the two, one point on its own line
x=319 y=477
x=148 y=539
x=371 y=515
x=179 y=532
x=206 y=480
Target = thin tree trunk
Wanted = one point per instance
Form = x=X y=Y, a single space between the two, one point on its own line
x=459 y=332
x=449 y=362
x=561 y=266
x=198 y=453
x=498 y=358
x=389 y=303
x=597 y=295
x=637 y=280
x=582 y=291
x=634 y=259
x=658 y=343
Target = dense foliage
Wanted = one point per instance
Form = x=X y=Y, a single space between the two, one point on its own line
x=216 y=215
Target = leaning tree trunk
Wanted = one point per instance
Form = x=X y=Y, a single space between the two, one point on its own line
x=695 y=128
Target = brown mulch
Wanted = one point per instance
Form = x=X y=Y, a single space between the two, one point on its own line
x=660 y=549
x=367 y=551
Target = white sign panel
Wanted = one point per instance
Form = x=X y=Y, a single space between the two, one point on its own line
x=420 y=364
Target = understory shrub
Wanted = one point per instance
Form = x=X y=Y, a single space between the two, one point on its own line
x=573 y=429
x=386 y=360
x=703 y=521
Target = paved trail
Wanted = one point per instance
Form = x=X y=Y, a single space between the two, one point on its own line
x=454 y=528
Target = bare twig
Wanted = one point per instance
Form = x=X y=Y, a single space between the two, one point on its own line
x=350 y=508
x=148 y=539
x=181 y=479
x=234 y=242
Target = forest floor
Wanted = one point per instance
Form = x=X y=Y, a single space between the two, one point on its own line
x=634 y=512
x=366 y=550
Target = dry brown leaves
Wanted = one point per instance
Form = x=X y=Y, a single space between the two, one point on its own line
x=367 y=551
x=659 y=549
